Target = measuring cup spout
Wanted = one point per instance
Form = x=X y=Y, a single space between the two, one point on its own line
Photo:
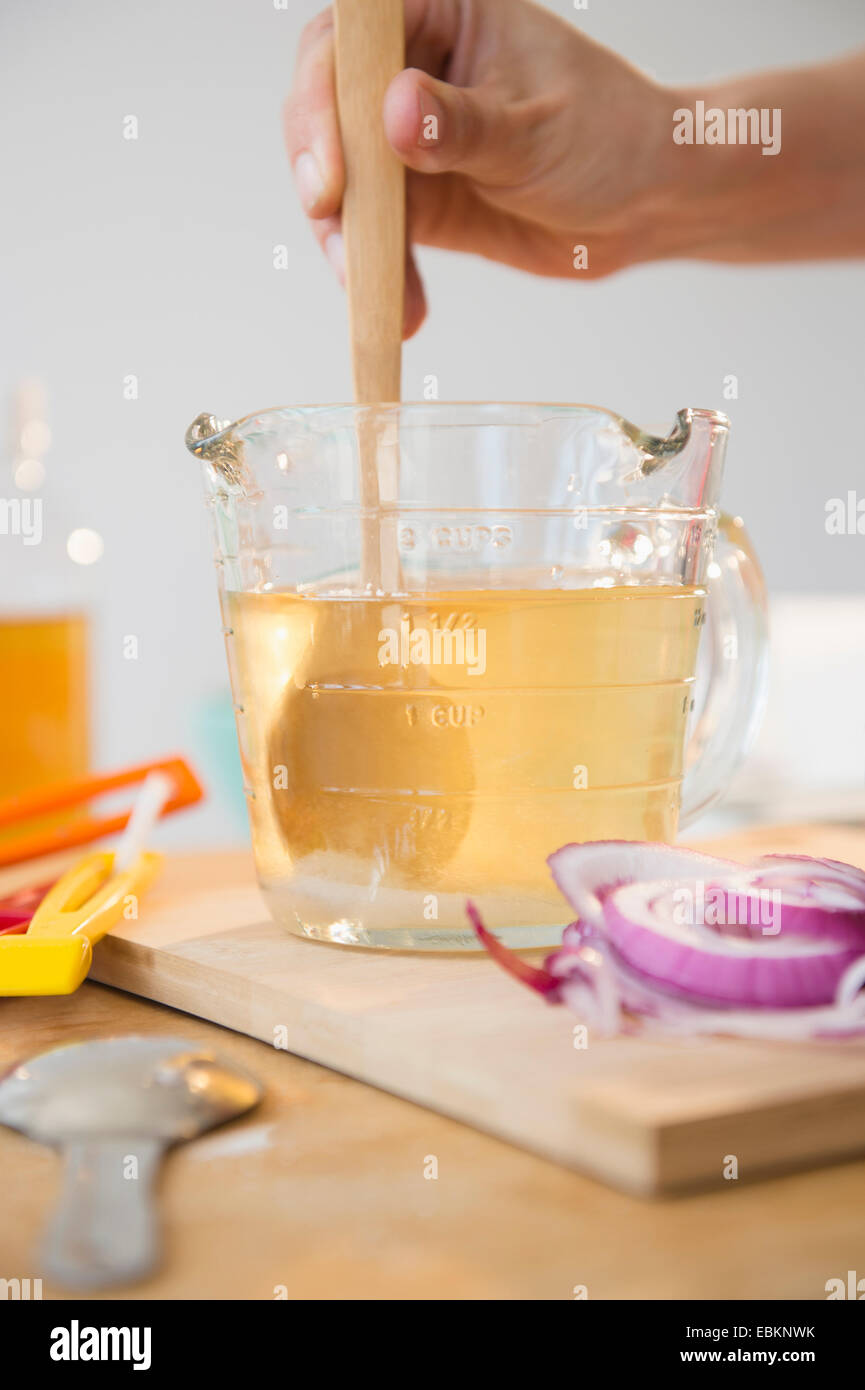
x=687 y=462
x=213 y=441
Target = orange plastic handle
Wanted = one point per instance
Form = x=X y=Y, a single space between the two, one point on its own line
x=186 y=790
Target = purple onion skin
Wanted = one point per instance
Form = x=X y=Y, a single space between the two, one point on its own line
x=795 y=988
x=845 y=926
x=537 y=978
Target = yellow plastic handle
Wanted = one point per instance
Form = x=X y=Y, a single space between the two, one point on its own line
x=87 y=900
x=50 y=965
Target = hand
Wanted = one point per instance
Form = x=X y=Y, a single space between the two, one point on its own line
x=524 y=139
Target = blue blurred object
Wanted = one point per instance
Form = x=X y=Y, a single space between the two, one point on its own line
x=216 y=735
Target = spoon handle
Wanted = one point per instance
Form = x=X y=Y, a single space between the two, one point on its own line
x=104 y=1229
x=370 y=50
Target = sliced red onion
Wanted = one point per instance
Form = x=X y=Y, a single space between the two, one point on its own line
x=575 y=975
x=819 y=895
x=642 y=922
x=538 y=979
x=637 y=951
x=819 y=899
x=828 y=870
x=663 y=1013
x=586 y=872
x=850 y=985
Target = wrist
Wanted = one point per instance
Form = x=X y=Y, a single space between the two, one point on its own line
x=722 y=188
x=693 y=188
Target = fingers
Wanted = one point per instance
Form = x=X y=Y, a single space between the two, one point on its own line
x=312 y=129
x=311 y=125
x=328 y=234
x=311 y=121
x=415 y=298
x=437 y=128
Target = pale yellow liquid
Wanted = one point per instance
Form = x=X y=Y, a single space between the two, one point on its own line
x=382 y=795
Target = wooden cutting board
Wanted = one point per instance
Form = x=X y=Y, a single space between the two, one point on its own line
x=458 y=1036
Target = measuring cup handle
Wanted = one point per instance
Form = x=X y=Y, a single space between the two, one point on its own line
x=104 y=1230
x=730 y=694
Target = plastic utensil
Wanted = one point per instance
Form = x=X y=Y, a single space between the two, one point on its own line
x=55 y=953
x=185 y=790
x=112 y=1106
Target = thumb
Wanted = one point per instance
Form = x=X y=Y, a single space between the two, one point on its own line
x=436 y=128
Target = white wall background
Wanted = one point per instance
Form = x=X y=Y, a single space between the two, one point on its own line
x=155 y=257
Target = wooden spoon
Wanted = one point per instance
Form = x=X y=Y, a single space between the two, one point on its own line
x=370 y=51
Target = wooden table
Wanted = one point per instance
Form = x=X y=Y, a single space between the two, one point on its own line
x=322 y=1192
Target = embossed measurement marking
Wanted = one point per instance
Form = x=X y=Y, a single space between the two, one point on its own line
x=445 y=715
x=463 y=538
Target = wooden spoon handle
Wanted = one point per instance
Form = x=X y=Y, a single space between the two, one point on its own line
x=370 y=51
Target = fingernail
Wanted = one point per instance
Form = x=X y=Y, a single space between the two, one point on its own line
x=334 y=249
x=431 y=119
x=307 y=176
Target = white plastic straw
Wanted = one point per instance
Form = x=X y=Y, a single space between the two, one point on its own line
x=155 y=791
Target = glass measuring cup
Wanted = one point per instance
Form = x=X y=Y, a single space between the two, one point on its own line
x=462 y=635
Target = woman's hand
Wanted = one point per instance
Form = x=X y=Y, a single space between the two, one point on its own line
x=524 y=139
x=526 y=142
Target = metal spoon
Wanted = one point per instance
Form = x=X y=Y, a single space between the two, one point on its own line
x=112 y=1107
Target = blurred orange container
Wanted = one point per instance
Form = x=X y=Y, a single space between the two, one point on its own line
x=44 y=724
x=46 y=596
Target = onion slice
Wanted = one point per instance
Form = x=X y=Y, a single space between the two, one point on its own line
x=538 y=979
x=790 y=894
x=781 y=955
x=642 y=923
x=586 y=872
